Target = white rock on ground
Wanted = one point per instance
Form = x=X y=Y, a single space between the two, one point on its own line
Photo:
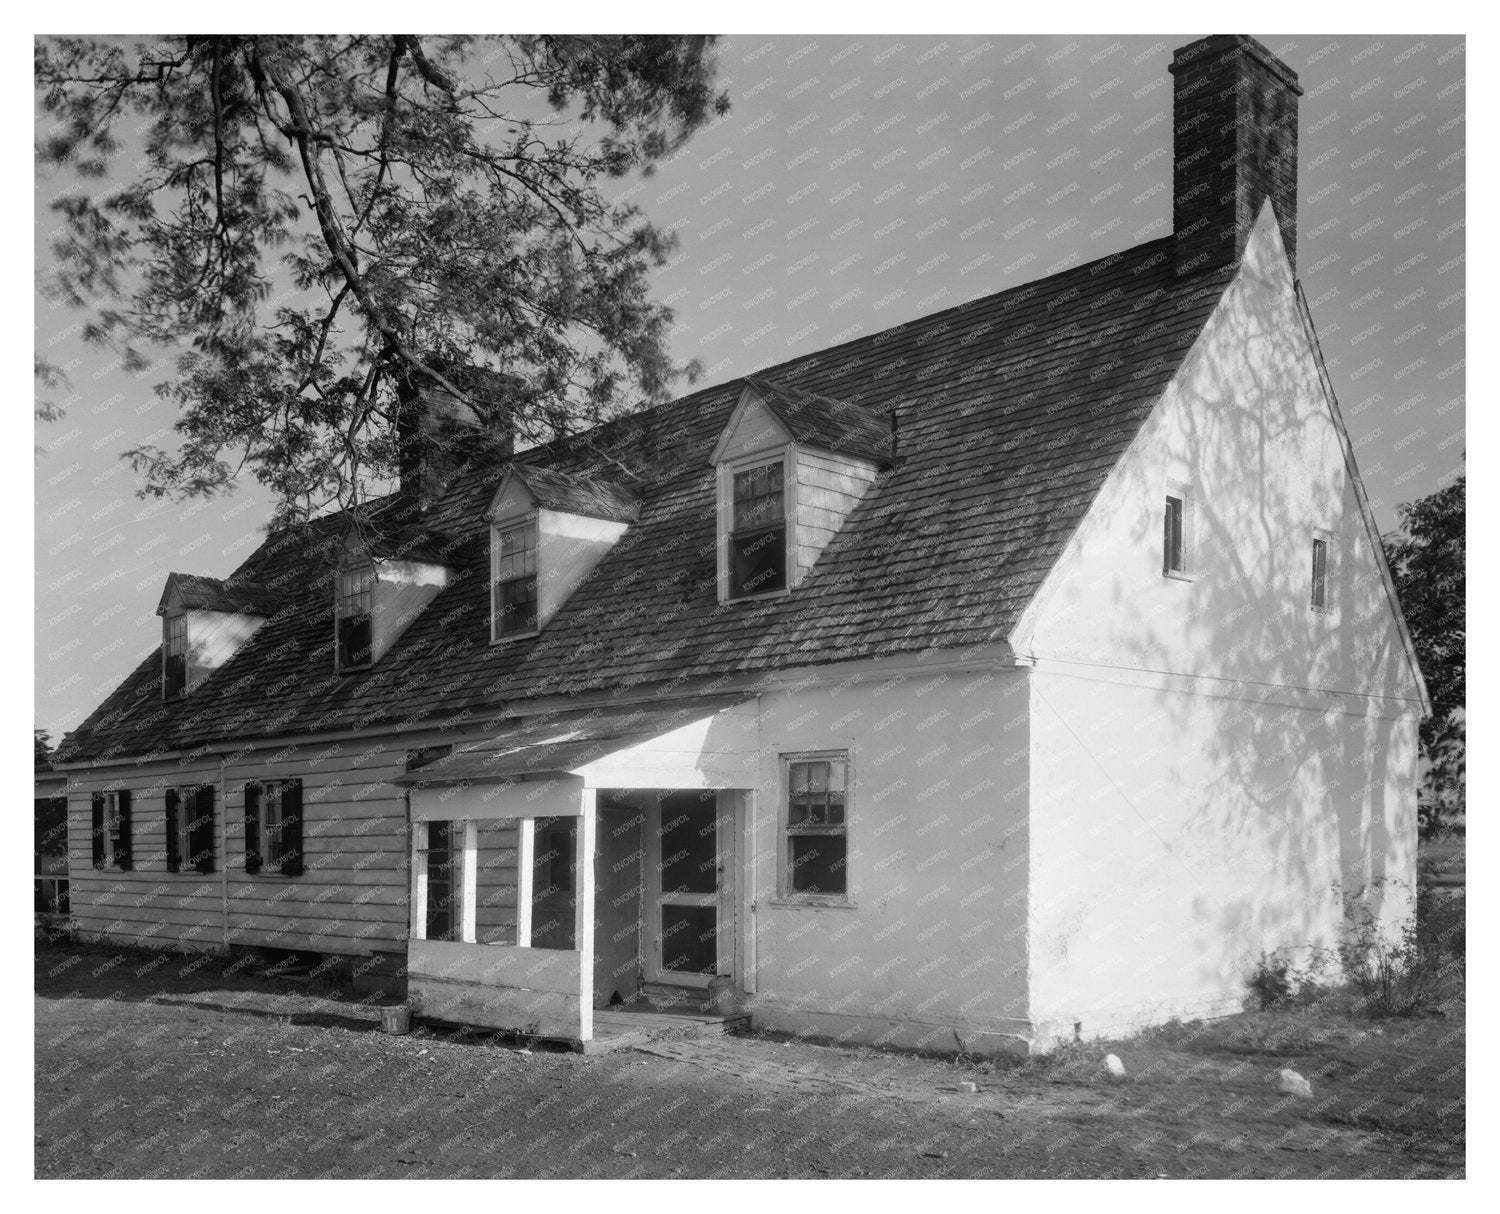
x=1114 y=1066
x=1293 y=1084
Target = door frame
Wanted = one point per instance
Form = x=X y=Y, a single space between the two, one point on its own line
x=724 y=899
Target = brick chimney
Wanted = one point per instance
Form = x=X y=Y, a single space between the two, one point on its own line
x=1234 y=132
x=439 y=436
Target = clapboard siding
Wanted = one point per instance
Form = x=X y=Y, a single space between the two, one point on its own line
x=352 y=896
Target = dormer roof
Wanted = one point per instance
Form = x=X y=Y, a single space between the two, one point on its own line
x=572 y=493
x=814 y=420
x=395 y=542
x=195 y=592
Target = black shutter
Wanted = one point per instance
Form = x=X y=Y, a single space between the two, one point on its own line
x=122 y=854
x=174 y=831
x=98 y=830
x=291 y=828
x=252 y=828
x=201 y=835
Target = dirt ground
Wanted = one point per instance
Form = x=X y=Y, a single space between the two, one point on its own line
x=165 y=1066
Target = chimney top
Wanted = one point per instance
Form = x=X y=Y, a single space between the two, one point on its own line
x=1234 y=146
x=1216 y=44
x=440 y=436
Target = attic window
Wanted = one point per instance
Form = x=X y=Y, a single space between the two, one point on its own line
x=757 y=539
x=354 y=607
x=1322 y=570
x=174 y=656
x=1171 y=544
x=514 y=593
x=1177 y=532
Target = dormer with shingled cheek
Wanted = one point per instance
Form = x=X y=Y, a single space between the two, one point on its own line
x=204 y=622
x=548 y=532
x=385 y=578
x=790 y=467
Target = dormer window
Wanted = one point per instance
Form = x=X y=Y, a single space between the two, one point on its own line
x=791 y=468
x=513 y=590
x=757 y=541
x=549 y=529
x=355 y=608
x=174 y=656
x=205 y=621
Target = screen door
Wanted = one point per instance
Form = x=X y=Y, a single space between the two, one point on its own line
x=690 y=870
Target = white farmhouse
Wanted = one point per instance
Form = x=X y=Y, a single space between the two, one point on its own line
x=1018 y=673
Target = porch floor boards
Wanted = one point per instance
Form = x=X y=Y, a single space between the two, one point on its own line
x=622 y=1028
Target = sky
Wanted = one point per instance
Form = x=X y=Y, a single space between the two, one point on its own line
x=859 y=182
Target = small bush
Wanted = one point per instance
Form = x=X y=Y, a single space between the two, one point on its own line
x=1277 y=983
x=1401 y=973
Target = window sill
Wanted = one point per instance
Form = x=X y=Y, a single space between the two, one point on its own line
x=1176 y=575
x=516 y=636
x=757 y=598
x=812 y=903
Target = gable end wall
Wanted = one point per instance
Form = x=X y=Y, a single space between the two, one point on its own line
x=1211 y=756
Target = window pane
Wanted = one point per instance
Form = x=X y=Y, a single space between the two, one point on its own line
x=1320 y=573
x=271 y=824
x=689 y=846
x=516 y=606
x=444 y=861
x=176 y=675
x=757 y=562
x=553 y=905
x=836 y=776
x=817 y=864
x=1172 y=536
x=690 y=939
x=354 y=640
x=759 y=495
x=355 y=590
x=559 y=857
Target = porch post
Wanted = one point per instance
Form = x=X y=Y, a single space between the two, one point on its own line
x=583 y=913
x=525 y=857
x=418 y=929
x=471 y=880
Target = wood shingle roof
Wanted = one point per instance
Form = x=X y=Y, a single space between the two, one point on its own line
x=1011 y=411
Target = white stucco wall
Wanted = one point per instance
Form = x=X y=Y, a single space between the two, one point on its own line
x=1209 y=753
x=932 y=951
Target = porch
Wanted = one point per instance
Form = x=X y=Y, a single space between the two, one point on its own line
x=586 y=888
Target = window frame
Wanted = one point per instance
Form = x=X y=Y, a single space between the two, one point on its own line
x=456 y=832
x=786 y=832
x=1323 y=536
x=266 y=863
x=1178 y=491
x=169 y=626
x=728 y=470
x=179 y=852
x=497 y=529
x=365 y=571
x=113 y=847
